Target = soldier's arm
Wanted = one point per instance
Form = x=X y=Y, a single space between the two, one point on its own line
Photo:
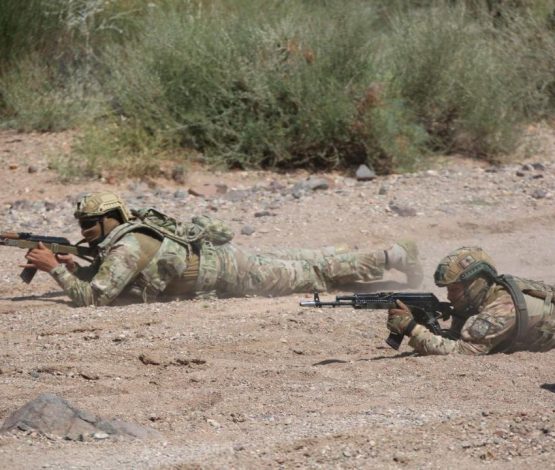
x=480 y=334
x=122 y=264
x=86 y=273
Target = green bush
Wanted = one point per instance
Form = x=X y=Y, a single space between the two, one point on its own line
x=277 y=88
x=35 y=99
x=469 y=82
x=297 y=83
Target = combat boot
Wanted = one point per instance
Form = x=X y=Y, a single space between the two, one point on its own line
x=403 y=256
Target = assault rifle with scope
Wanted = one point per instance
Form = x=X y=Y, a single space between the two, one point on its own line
x=58 y=245
x=426 y=309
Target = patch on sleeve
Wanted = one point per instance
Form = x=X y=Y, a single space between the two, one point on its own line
x=480 y=328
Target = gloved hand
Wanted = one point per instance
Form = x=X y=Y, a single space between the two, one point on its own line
x=400 y=319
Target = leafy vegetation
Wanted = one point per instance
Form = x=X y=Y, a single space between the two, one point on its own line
x=313 y=83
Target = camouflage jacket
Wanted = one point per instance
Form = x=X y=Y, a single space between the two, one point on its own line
x=134 y=260
x=494 y=324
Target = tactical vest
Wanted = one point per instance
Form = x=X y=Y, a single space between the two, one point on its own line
x=535 y=321
x=172 y=261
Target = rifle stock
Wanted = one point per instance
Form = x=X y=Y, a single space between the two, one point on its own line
x=425 y=307
x=58 y=245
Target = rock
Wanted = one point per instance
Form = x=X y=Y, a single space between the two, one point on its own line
x=314 y=183
x=539 y=194
x=403 y=211
x=89 y=375
x=51 y=415
x=32 y=169
x=384 y=188
x=538 y=166
x=264 y=213
x=275 y=186
x=365 y=173
x=150 y=358
x=179 y=194
x=213 y=423
x=247 y=230
x=237 y=195
x=208 y=190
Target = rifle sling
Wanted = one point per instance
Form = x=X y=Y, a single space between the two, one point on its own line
x=521 y=311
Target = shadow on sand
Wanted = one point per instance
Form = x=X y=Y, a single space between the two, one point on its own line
x=58 y=297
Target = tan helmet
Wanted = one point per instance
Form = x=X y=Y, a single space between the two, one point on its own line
x=464 y=265
x=97 y=204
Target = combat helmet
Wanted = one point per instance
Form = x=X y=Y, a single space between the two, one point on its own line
x=471 y=266
x=464 y=265
x=98 y=204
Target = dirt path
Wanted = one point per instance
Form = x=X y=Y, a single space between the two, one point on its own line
x=263 y=383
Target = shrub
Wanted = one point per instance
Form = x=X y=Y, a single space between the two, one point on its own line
x=311 y=83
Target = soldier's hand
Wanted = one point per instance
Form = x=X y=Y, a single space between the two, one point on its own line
x=400 y=319
x=41 y=258
x=68 y=260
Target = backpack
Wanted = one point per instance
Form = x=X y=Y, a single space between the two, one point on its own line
x=201 y=228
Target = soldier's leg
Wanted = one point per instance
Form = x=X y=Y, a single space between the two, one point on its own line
x=245 y=273
x=355 y=266
x=306 y=254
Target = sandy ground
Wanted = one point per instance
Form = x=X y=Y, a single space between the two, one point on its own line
x=262 y=382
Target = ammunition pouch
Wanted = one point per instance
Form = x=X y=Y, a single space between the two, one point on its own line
x=207 y=271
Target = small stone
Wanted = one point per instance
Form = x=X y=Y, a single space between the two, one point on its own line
x=364 y=173
x=237 y=195
x=264 y=213
x=32 y=169
x=538 y=166
x=314 y=183
x=150 y=359
x=400 y=458
x=207 y=190
x=238 y=447
x=403 y=211
x=13 y=166
x=247 y=230
x=539 y=194
x=384 y=188
x=101 y=435
x=89 y=376
x=213 y=423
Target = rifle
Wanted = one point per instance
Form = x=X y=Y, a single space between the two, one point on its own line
x=29 y=241
x=425 y=307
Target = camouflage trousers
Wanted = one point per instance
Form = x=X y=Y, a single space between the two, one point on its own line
x=238 y=272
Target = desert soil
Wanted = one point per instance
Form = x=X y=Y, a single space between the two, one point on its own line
x=261 y=382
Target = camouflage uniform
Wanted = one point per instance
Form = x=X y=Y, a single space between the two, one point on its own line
x=493 y=327
x=137 y=261
x=494 y=313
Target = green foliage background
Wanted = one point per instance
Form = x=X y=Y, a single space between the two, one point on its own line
x=276 y=84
